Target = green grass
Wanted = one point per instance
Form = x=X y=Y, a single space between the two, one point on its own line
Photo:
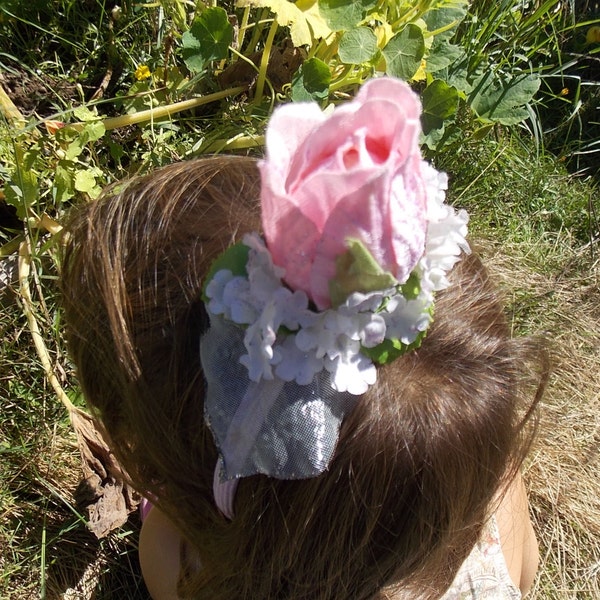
x=45 y=547
x=517 y=195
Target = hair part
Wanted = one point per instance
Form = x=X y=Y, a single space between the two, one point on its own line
x=419 y=460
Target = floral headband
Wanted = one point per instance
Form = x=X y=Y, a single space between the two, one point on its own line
x=357 y=239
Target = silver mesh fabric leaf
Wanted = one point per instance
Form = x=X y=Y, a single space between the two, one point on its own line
x=273 y=427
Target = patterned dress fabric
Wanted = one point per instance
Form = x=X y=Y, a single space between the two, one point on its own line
x=484 y=574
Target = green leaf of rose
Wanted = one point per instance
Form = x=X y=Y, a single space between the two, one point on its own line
x=311 y=81
x=234 y=258
x=357 y=46
x=208 y=38
x=403 y=53
x=342 y=15
x=411 y=288
x=390 y=350
x=357 y=271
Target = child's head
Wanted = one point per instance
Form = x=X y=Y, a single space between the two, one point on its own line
x=419 y=458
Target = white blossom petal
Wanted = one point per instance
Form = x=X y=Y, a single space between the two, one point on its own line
x=407 y=319
x=353 y=375
x=296 y=365
x=215 y=290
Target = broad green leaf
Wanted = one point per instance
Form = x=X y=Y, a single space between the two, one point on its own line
x=440 y=99
x=75 y=148
x=482 y=132
x=94 y=130
x=22 y=191
x=63 y=183
x=13 y=195
x=208 y=38
x=342 y=15
x=357 y=46
x=432 y=130
x=138 y=97
x=84 y=114
x=311 y=81
x=116 y=150
x=441 y=22
x=443 y=54
x=303 y=18
x=460 y=74
x=65 y=135
x=503 y=100
x=446 y=133
x=85 y=181
x=404 y=52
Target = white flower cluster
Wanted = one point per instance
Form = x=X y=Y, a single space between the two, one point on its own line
x=446 y=233
x=284 y=338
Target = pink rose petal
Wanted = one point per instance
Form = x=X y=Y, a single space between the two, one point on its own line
x=355 y=174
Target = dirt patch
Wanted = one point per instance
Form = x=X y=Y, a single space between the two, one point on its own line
x=37 y=94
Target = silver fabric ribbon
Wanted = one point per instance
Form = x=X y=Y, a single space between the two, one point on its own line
x=271 y=427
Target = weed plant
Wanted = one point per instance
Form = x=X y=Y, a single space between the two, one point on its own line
x=91 y=93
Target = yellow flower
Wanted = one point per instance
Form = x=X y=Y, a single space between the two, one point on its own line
x=142 y=72
x=593 y=35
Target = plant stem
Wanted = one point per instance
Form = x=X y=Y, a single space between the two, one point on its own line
x=163 y=111
x=258 y=27
x=237 y=143
x=264 y=62
x=24 y=268
x=243 y=28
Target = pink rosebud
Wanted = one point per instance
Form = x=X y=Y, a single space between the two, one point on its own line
x=356 y=174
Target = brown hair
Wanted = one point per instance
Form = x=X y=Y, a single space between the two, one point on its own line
x=419 y=460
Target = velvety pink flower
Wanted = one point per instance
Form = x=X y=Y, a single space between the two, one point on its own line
x=355 y=174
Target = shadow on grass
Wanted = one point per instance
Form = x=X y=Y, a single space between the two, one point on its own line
x=81 y=567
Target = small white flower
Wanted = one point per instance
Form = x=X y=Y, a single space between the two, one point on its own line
x=352 y=373
x=236 y=296
x=292 y=307
x=373 y=331
x=446 y=234
x=405 y=319
x=361 y=302
x=263 y=275
x=258 y=340
x=296 y=365
x=317 y=337
x=215 y=290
